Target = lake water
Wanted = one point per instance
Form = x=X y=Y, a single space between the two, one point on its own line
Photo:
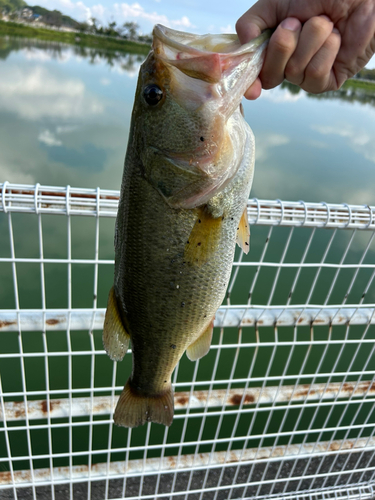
x=64 y=120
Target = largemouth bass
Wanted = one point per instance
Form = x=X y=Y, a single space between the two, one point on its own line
x=186 y=181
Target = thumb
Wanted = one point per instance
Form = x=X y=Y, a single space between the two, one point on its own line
x=259 y=17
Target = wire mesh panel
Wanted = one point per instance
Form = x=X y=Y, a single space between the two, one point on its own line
x=281 y=407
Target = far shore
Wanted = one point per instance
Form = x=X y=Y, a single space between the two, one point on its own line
x=73 y=38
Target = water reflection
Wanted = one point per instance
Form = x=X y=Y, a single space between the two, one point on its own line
x=65 y=114
x=351 y=92
x=45 y=50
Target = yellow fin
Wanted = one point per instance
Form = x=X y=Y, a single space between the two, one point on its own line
x=243 y=233
x=202 y=345
x=115 y=337
x=203 y=239
x=134 y=408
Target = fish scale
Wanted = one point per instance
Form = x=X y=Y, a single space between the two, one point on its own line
x=178 y=219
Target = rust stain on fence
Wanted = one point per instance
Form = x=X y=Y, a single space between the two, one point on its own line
x=185 y=462
x=4 y=324
x=104 y=405
x=52 y=321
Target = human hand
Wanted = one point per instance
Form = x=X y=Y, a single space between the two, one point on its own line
x=317 y=44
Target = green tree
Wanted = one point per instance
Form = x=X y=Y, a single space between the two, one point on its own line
x=130 y=29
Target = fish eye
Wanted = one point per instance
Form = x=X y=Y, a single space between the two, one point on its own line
x=152 y=94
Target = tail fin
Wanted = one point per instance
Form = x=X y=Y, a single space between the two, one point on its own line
x=135 y=409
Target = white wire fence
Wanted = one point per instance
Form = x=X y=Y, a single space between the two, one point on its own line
x=281 y=407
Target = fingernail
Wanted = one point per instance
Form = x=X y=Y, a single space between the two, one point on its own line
x=291 y=24
x=335 y=30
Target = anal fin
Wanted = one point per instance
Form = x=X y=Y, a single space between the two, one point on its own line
x=202 y=345
x=243 y=233
x=115 y=337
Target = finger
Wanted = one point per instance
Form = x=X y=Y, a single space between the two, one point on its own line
x=319 y=74
x=254 y=91
x=258 y=18
x=281 y=47
x=313 y=36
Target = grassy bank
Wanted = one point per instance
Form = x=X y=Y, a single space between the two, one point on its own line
x=20 y=30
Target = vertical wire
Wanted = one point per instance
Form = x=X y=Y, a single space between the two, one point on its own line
x=339 y=268
x=321 y=432
x=273 y=408
x=68 y=339
x=92 y=378
x=205 y=411
x=22 y=359
x=6 y=431
x=358 y=268
x=110 y=432
x=314 y=377
x=147 y=440
x=299 y=270
x=45 y=347
x=186 y=420
x=322 y=261
x=7 y=440
x=251 y=426
x=92 y=343
x=286 y=411
x=231 y=376
x=256 y=275
x=161 y=461
x=126 y=464
x=251 y=369
x=286 y=248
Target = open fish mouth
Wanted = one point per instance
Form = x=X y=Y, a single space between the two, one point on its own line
x=207 y=57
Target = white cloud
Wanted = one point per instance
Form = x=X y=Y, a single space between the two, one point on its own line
x=227 y=29
x=65 y=129
x=98 y=11
x=282 y=95
x=36 y=93
x=37 y=55
x=105 y=81
x=359 y=138
x=135 y=11
x=265 y=142
x=48 y=138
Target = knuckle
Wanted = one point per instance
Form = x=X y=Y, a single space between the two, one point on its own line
x=319 y=24
x=283 y=45
x=315 y=72
x=292 y=70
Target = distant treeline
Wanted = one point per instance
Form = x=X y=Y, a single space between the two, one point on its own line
x=366 y=74
x=36 y=16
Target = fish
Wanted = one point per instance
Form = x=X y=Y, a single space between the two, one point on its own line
x=183 y=207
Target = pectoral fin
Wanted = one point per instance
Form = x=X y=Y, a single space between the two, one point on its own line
x=243 y=233
x=203 y=239
x=202 y=345
x=115 y=337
